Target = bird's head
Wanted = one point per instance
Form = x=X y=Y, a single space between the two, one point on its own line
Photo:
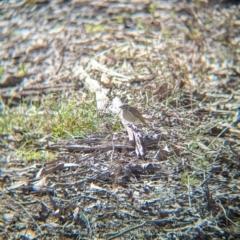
x=124 y=106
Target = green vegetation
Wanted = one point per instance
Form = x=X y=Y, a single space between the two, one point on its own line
x=60 y=117
x=167 y=34
x=22 y=70
x=55 y=117
x=1 y=71
x=172 y=13
x=190 y=180
x=93 y=28
x=120 y=18
x=152 y=8
x=140 y=24
x=195 y=34
x=32 y=154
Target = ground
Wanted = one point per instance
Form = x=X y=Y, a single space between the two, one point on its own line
x=68 y=170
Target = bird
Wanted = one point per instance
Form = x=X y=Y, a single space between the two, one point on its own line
x=130 y=114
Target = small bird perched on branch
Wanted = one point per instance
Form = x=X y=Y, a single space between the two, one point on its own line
x=131 y=115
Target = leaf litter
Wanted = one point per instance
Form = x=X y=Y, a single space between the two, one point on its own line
x=178 y=63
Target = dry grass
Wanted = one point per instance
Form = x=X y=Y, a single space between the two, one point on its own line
x=68 y=169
